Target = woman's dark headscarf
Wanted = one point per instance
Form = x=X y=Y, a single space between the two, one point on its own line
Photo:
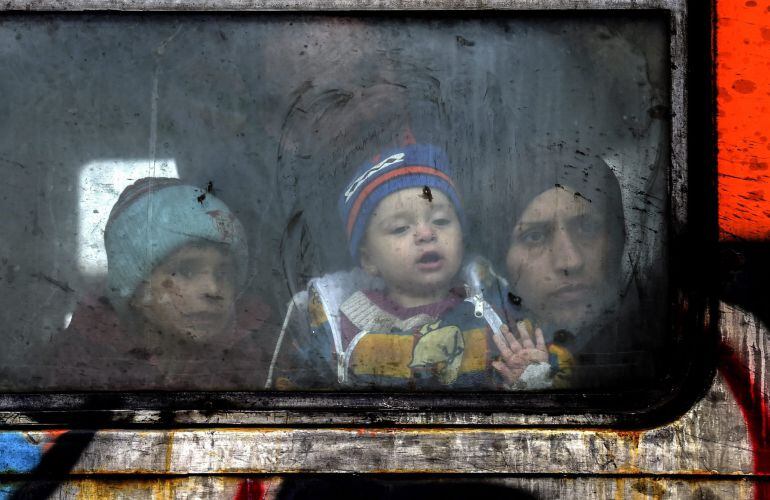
x=540 y=169
x=617 y=345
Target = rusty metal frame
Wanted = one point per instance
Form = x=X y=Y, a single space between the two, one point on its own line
x=97 y=410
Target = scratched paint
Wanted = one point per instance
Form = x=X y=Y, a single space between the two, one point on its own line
x=743 y=120
x=224 y=487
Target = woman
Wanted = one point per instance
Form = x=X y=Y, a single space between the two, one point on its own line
x=564 y=264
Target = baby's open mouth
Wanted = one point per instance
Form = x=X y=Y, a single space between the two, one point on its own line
x=430 y=259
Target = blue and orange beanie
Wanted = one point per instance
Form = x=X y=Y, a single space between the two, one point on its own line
x=416 y=165
x=153 y=218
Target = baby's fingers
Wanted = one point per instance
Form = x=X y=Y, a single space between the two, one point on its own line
x=539 y=340
x=508 y=375
x=526 y=339
x=512 y=342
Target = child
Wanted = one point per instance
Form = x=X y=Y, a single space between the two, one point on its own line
x=173 y=315
x=413 y=328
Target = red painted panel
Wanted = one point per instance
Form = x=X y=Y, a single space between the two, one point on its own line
x=743 y=118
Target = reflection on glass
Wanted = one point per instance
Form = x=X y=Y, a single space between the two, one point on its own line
x=99 y=186
x=386 y=203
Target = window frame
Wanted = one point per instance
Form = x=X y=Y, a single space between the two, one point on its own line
x=692 y=219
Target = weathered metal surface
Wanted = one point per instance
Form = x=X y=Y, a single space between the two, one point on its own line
x=177 y=488
x=304 y=5
x=554 y=488
x=299 y=417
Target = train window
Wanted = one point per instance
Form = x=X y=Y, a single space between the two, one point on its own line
x=410 y=204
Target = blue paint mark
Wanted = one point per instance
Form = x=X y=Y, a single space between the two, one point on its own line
x=18 y=454
x=7 y=490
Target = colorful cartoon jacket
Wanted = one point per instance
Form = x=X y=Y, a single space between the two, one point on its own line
x=428 y=347
x=343 y=332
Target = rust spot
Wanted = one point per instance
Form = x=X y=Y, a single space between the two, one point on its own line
x=632 y=436
x=765 y=33
x=650 y=487
x=744 y=86
x=757 y=165
x=751 y=3
x=724 y=94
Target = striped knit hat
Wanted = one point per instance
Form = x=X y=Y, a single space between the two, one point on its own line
x=153 y=218
x=416 y=165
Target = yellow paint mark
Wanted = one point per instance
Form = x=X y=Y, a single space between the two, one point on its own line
x=620 y=488
x=88 y=490
x=169 y=450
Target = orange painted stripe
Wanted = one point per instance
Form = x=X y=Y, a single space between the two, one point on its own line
x=384 y=178
x=743 y=118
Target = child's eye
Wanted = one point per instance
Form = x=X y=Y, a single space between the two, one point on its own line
x=184 y=270
x=399 y=230
x=443 y=221
x=224 y=273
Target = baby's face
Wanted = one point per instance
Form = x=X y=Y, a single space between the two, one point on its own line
x=414 y=244
x=191 y=294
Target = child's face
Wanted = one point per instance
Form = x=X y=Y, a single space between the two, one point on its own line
x=190 y=294
x=414 y=244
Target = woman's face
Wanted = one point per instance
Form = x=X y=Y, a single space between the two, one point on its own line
x=561 y=261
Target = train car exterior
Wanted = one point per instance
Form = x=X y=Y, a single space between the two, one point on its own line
x=706 y=437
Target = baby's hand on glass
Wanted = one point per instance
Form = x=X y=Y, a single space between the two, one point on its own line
x=517 y=355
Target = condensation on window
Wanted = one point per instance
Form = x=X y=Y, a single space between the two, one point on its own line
x=338 y=202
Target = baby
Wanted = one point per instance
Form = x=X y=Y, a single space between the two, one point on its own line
x=404 y=222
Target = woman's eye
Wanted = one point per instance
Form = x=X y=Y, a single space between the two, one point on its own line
x=442 y=222
x=533 y=237
x=588 y=227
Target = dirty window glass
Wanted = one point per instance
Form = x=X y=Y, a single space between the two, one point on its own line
x=334 y=202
